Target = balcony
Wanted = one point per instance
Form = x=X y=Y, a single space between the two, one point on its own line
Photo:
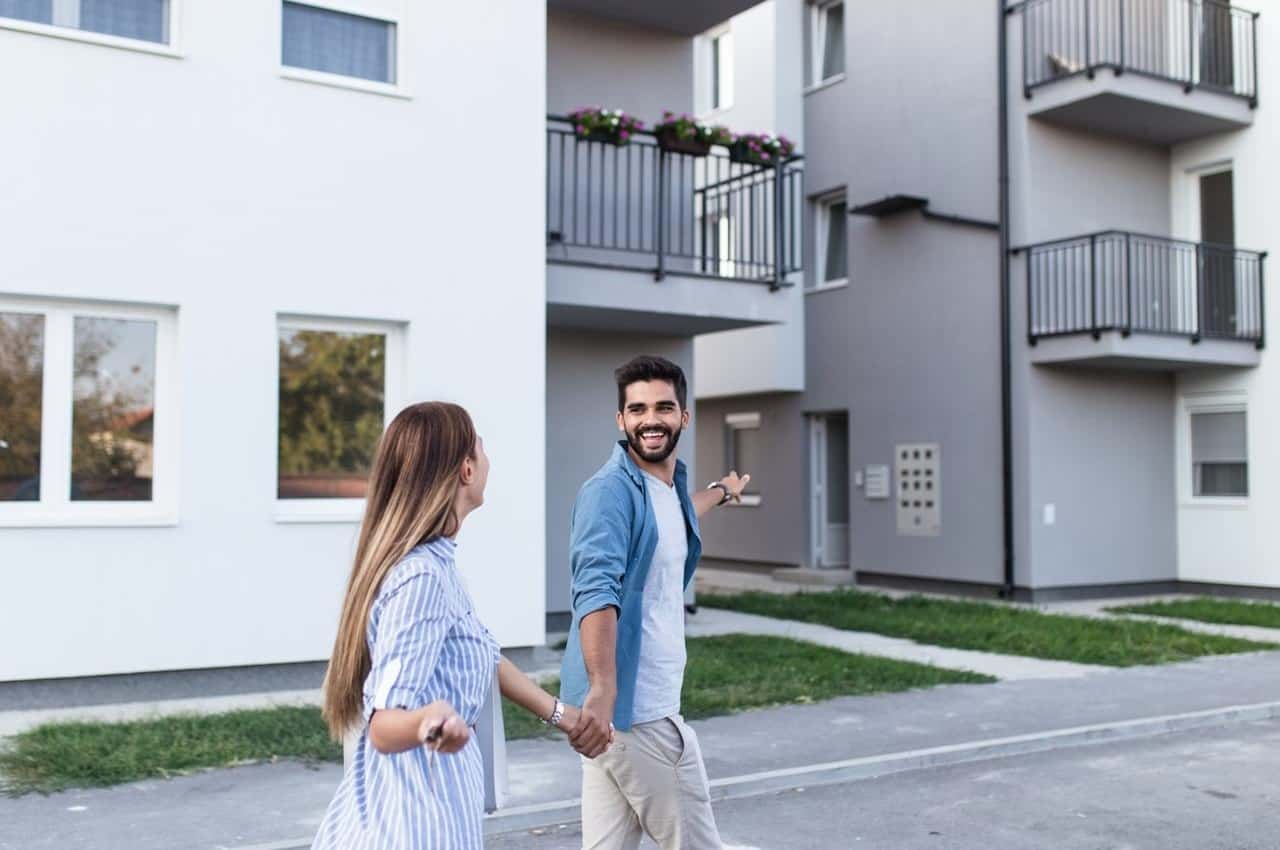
x=640 y=238
x=1136 y=301
x=1161 y=71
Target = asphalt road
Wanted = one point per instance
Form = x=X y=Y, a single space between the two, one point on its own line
x=1212 y=790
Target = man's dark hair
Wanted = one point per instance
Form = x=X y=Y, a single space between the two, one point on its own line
x=649 y=368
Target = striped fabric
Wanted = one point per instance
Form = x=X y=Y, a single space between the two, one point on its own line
x=427 y=644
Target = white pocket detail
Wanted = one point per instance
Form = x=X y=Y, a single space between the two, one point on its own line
x=386 y=683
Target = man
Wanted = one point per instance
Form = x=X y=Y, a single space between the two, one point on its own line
x=634 y=545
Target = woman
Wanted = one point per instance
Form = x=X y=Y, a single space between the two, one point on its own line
x=412 y=666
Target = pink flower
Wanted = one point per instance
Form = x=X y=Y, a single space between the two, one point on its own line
x=624 y=135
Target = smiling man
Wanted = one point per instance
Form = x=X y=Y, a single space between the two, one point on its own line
x=634 y=545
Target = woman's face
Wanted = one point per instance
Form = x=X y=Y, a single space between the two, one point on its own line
x=475 y=475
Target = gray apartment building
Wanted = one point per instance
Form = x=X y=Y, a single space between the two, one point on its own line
x=996 y=314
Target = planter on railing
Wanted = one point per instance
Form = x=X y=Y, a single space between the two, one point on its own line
x=611 y=126
x=683 y=134
x=762 y=149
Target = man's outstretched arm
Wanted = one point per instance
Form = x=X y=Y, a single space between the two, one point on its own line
x=705 y=500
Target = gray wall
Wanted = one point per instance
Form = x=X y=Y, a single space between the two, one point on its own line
x=917 y=110
x=581 y=429
x=911 y=349
x=595 y=62
x=776 y=530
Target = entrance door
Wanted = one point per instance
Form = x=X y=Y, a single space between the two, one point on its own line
x=829 y=502
x=1218 y=256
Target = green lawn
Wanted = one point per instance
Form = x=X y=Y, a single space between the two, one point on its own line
x=65 y=755
x=1006 y=629
x=1208 y=610
x=725 y=674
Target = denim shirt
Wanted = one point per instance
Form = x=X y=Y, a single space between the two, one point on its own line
x=612 y=538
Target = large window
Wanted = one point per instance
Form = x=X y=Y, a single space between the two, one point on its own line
x=86 y=425
x=826 y=42
x=140 y=20
x=831 y=242
x=337 y=390
x=1219 y=454
x=745 y=451
x=333 y=42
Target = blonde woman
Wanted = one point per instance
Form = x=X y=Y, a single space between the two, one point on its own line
x=412 y=666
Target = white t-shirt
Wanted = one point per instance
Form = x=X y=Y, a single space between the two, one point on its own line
x=662 y=652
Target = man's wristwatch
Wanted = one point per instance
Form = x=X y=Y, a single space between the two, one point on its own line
x=557 y=714
x=717 y=485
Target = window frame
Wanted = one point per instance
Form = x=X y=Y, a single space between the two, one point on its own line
x=291 y=511
x=1232 y=401
x=171 y=49
x=818 y=11
x=715 y=55
x=55 y=507
x=822 y=205
x=386 y=11
x=734 y=422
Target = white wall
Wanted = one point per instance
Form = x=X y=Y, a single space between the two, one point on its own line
x=210 y=183
x=1236 y=542
x=767 y=97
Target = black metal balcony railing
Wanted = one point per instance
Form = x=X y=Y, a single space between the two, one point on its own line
x=639 y=207
x=1128 y=282
x=1198 y=43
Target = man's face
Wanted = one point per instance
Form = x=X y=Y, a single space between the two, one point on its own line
x=652 y=419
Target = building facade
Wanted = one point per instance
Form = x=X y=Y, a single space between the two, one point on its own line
x=1084 y=423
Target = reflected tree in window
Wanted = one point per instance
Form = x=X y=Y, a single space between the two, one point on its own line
x=21 y=399
x=113 y=410
x=332 y=397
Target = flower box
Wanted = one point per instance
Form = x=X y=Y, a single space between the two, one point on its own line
x=611 y=126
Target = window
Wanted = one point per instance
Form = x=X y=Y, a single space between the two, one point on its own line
x=337 y=390
x=333 y=42
x=1219 y=454
x=87 y=433
x=721 y=71
x=826 y=41
x=140 y=20
x=744 y=450
x=831 y=248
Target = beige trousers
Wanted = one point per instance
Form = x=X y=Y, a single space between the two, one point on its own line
x=652 y=781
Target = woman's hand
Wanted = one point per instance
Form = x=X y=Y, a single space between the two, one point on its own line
x=442 y=729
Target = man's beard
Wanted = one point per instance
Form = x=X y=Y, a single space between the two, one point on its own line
x=658 y=456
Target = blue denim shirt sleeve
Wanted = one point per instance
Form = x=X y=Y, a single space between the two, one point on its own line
x=598 y=545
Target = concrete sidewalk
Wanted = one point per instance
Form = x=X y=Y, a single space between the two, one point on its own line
x=273 y=807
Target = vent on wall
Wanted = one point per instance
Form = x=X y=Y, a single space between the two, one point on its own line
x=918 y=473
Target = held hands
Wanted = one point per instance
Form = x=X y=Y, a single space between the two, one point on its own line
x=589 y=728
x=441 y=729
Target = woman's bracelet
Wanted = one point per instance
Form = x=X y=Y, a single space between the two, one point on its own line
x=556 y=714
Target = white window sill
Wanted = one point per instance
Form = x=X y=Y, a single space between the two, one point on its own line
x=307 y=511
x=11 y=518
x=87 y=37
x=825 y=84
x=1223 y=503
x=749 y=500
x=303 y=75
x=825 y=287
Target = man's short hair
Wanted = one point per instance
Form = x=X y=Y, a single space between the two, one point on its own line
x=650 y=368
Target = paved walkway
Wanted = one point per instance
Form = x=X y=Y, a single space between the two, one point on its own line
x=711 y=621
x=271 y=807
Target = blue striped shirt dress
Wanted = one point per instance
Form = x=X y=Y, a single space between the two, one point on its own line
x=426 y=644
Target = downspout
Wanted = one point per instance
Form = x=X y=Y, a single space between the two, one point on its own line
x=1006 y=405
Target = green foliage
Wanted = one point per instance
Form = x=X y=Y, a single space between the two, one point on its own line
x=331 y=401
x=1224 y=611
x=1002 y=628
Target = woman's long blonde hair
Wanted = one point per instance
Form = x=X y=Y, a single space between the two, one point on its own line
x=415 y=481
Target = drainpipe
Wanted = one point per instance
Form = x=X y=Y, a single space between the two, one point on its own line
x=1006 y=405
